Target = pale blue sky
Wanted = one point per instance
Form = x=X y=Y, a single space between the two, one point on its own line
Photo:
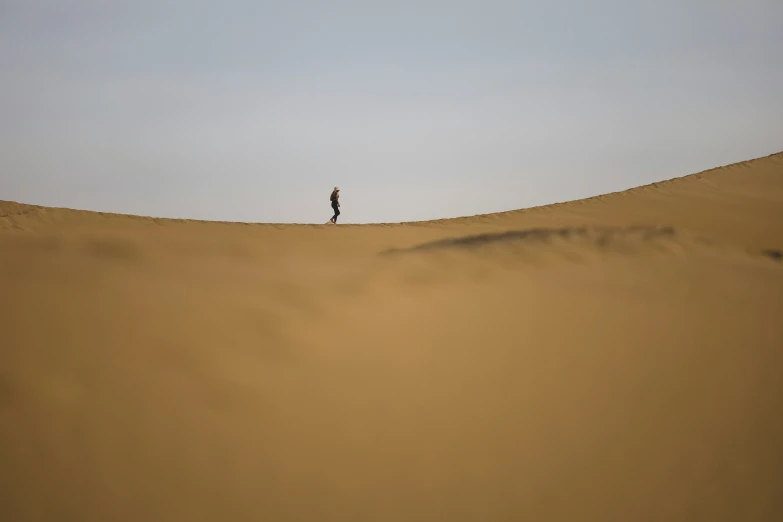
x=253 y=110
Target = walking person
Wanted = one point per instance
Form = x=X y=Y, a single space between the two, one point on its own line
x=334 y=198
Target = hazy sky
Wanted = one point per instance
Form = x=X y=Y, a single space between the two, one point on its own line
x=253 y=110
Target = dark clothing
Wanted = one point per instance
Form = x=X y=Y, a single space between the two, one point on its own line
x=336 y=210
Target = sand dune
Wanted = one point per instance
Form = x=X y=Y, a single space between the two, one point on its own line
x=612 y=359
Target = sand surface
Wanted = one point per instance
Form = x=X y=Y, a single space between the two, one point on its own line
x=613 y=359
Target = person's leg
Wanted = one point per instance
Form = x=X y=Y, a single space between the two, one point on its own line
x=336 y=212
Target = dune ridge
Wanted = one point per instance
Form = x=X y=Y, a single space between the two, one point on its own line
x=11 y=209
x=615 y=358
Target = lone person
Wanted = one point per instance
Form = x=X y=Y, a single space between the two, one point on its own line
x=334 y=198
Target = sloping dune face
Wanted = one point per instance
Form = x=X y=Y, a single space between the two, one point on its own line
x=613 y=359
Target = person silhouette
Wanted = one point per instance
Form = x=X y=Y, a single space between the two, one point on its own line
x=335 y=199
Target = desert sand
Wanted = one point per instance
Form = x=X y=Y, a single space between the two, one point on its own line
x=618 y=358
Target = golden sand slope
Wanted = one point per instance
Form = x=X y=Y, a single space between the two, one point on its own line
x=613 y=359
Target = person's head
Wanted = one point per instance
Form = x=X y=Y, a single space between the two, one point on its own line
x=337 y=189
